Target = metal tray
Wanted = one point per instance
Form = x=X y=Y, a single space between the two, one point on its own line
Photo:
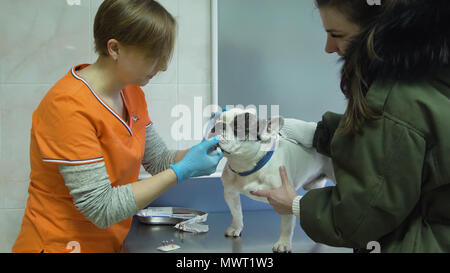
x=159 y=220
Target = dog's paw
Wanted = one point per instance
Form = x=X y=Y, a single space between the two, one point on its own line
x=233 y=231
x=282 y=246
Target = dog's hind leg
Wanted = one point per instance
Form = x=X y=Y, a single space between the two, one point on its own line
x=284 y=244
x=233 y=200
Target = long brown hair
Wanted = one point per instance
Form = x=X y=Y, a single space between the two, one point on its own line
x=354 y=82
x=144 y=24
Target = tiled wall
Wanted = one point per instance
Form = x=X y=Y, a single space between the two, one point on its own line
x=41 y=40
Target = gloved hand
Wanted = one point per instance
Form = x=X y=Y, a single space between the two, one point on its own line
x=300 y=131
x=202 y=159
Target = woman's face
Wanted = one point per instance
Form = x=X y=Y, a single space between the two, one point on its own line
x=339 y=30
x=135 y=67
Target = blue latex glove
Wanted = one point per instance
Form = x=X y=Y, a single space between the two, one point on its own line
x=202 y=159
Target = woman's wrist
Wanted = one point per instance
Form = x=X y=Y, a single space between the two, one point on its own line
x=174 y=173
x=175 y=166
x=296 y=206
x=180 y=172
x=180 y=155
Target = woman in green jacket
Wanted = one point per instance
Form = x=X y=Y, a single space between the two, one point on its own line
x=391 y=147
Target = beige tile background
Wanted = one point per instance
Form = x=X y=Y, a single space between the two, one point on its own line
x=41 y=41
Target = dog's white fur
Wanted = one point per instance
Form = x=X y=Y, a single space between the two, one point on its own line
x=305 y=167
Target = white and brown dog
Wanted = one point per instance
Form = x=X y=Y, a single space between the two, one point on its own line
x=255 y=150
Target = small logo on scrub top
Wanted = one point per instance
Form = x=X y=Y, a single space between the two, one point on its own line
x=134 y=118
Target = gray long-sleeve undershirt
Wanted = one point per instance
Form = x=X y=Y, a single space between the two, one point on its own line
x=91 y=188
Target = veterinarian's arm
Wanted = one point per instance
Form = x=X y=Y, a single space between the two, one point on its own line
x=201 y=159
x=325 y=132
x=157 y=157
x=104 y=205
x=371 y=197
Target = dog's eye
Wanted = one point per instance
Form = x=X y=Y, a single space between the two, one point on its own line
x=219 y=128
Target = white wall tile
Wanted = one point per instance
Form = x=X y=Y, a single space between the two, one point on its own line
x=14 y=194
x=157 y=92
x=170 y=5
x=95 y=4
x=1 y=143
x=42 y=41
x=196 y=97
x=17 y=106
x=194 y=63
x=10 y=227
x=161 y=99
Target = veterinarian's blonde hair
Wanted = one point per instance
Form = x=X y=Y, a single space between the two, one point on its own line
x=144 y=24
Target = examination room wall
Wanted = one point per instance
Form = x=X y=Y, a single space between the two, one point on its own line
x=41 y=41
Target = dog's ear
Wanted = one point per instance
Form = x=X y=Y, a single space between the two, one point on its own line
x=270 y=128
x=275 y=124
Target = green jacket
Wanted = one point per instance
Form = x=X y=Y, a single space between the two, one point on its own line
x=393 y=182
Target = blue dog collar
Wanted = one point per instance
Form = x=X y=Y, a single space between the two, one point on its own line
x=260 y=163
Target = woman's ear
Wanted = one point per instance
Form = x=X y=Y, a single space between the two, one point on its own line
x=113 y=48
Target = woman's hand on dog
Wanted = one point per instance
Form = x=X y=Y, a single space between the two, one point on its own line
x=280 y=198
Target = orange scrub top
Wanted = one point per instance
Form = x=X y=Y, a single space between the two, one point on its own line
x=73 y=125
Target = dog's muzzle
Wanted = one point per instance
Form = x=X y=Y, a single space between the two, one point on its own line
x=223 y=150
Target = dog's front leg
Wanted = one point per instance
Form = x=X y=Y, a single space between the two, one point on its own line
x=287 y=230
x=233 y=200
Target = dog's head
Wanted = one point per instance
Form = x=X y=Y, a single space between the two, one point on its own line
x=241 y=132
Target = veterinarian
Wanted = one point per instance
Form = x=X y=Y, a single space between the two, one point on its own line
x=91 y=133
x=390 y=149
